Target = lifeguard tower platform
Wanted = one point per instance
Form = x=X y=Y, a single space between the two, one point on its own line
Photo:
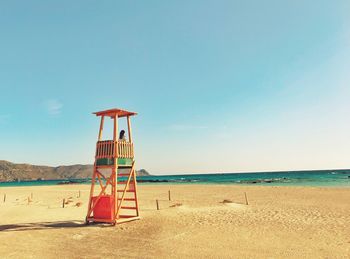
x=113 y=193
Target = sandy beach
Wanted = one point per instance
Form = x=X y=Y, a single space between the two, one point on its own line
x=279 y=222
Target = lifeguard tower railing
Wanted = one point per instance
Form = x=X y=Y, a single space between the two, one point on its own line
x=117 y=149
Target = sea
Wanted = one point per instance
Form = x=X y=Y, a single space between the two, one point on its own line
x=326 y=178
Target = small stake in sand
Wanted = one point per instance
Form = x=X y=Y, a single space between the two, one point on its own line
x=246 y=199
x=4 y=197
x=79 y=194
x=64 y=200
x=169 y=195
x=157 y=204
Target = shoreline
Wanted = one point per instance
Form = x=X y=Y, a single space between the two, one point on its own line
x=316 y=178
x=190 y=184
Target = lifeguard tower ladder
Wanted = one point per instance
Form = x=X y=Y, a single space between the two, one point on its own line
x=113 y=193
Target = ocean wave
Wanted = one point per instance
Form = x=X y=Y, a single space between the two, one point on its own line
x=266 y=180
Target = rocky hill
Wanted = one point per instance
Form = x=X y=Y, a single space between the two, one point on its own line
x=14 y=172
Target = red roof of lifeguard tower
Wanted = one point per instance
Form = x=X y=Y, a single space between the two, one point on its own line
x=113 y=112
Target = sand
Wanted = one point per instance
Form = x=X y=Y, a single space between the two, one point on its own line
x=279 y=222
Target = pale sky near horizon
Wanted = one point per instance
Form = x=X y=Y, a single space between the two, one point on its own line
x=220 y=86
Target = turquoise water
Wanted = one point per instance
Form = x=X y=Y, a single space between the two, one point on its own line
x=336 y=178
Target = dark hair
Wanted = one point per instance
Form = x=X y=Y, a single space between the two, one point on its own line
x=121 y=134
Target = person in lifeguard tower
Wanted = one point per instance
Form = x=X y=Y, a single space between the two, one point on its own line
x=122 y=135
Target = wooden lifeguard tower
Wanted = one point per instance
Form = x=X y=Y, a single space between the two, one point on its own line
x=113 y=194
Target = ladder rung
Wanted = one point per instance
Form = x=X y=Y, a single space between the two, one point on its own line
x=128 y=207
x=123 y=182
x=127 y=199
x=92 y=219
x=126 y=190
x=126 y=216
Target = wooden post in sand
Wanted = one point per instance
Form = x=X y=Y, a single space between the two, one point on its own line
x=246 y=199
x=64 y=200
x=79 y=194
x=157 y=204
x=4 y=197
x=169 y=195
x=28 y=200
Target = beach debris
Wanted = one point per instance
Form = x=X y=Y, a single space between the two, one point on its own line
x=169 y=195
x=176 y=205
x=78 y=204
x=227 y=201
x=71 y=182
x=246 y=198
x=262 y=181
x=66 y=201
x=4 y=197
x=157 y=202
x=69 y=200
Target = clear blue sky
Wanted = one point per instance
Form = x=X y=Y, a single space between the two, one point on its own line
x=220 y=86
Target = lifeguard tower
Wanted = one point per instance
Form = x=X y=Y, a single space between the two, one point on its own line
x=113 y=194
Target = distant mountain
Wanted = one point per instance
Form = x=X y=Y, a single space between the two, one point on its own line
x=14 y=172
